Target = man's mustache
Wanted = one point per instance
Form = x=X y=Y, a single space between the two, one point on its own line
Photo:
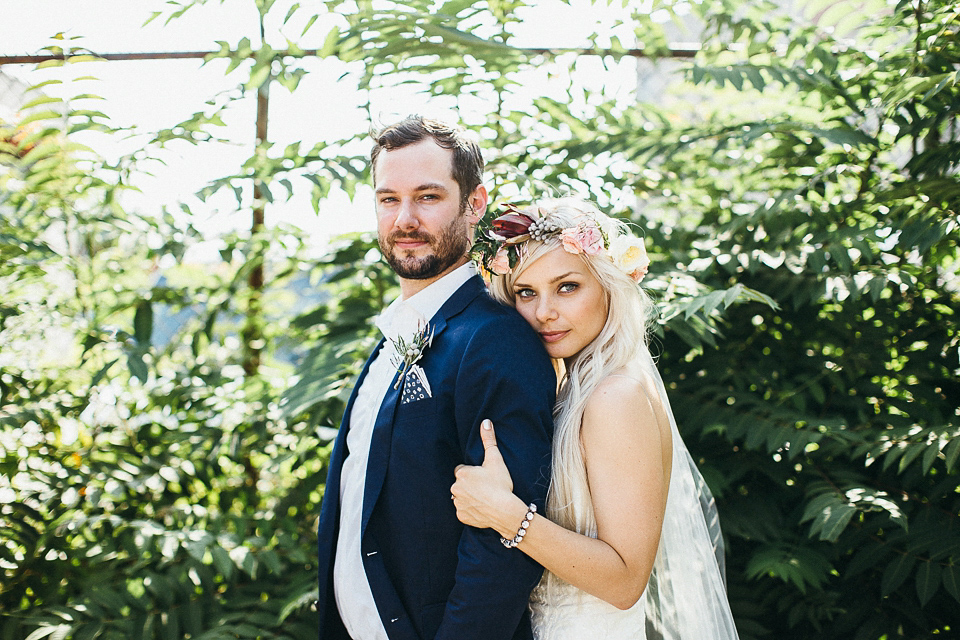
x=418 y=237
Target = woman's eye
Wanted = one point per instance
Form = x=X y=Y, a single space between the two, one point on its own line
x=524 y=294
x=568 y=287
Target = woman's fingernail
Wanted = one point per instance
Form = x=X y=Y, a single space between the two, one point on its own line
x=486 y=424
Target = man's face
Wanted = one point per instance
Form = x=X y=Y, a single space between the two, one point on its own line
x=423 y=230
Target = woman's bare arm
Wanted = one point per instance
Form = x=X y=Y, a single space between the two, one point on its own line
x=627 y=452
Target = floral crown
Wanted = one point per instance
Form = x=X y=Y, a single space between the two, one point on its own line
x=500 y=246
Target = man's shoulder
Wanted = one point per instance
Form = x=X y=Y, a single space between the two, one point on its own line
x=491 y=328
x=486 y=312
x=477 y=321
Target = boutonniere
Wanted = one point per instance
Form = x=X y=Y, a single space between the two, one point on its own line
x=408 y=352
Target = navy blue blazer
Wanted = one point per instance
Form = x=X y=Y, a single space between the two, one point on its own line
x=431 y=576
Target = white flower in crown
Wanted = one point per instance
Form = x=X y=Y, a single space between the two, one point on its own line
x=630 y=256
x=409 y=351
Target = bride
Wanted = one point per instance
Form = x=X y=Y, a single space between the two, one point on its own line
x=630 y=540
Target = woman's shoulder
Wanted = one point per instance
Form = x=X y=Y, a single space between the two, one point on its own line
x=627 y=384
x=626 y=397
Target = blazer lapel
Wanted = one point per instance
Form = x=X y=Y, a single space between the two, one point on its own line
x=383 y=430
x=340 y=446
x=379 y=453
x=356 y=387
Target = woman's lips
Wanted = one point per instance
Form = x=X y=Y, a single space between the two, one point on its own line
x=552 y=336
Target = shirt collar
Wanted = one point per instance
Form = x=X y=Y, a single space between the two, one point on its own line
x=405 y=317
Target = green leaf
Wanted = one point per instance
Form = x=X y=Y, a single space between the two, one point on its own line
x=928 y=581
x=712 y=300
x=244 y=559
x=309 y=24
x=930 y=455
x=876 y=287
x=951 y=580
x=45 y=631
x=88 y=631
x=801 y=566
x=842 y=258
x=913 y=450
x=454 y=7
x=222 y=561
x=143 y=322
x=38 y=117
x=300 y=601
x=270 y=558
x=756 y=79
x=697 y=74
x=329 y=43
x=844 y=135
x=948 y=80
x=101 y=373
x=866 y=558
x=896 y=573
x=733 y=294
x=171 y=624
x=951 y=453
x=40 y=101
x=193 y=621
x=830 y=515
x=137 y=366
x=258 y=76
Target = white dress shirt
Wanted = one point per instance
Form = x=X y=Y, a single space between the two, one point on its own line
x=351 y=587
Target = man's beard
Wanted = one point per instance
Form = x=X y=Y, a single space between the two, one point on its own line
x=452 y=245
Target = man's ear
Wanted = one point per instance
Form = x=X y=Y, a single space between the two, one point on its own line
x=477 y=204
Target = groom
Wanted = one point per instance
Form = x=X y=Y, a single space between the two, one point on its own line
x=395 y=563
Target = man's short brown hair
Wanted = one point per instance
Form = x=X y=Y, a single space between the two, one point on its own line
x=467 y=159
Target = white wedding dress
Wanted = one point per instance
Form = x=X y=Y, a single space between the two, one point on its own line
x=685 y=598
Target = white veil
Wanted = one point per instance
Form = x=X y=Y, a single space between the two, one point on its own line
x=686 y=596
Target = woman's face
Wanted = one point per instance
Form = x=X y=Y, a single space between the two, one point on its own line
x=563 y=301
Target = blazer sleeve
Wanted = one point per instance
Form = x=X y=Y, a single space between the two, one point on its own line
x=506 y=376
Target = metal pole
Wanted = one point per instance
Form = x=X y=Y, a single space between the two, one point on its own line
x=673 y=52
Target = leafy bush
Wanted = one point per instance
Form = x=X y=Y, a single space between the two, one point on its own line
x=157 y=483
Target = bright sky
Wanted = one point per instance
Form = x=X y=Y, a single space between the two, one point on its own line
x=158 y=94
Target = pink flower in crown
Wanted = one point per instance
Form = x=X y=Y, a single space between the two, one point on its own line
x=582 y=239
x=501 y=262
x=638 y=274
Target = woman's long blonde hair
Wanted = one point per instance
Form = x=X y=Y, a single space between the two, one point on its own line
x=623 y=336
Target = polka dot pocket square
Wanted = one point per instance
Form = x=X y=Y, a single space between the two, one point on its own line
x=415 y=386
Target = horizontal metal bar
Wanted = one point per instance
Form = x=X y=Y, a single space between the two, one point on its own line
x=677 y=52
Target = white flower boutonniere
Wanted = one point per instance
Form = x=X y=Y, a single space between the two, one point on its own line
x=408 y=352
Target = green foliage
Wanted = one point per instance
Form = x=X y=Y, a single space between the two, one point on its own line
x=149 y=487
x=829 y=424
x=798 y=193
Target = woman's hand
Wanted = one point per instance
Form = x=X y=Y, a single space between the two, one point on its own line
x=483 y=495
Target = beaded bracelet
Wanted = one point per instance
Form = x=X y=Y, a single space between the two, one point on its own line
x=522 y=531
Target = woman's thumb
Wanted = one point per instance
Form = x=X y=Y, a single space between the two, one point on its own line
x=487 y=435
